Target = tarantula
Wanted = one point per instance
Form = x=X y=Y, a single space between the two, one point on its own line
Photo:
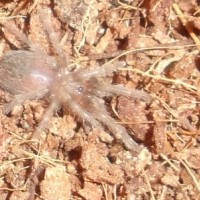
x=31 y=73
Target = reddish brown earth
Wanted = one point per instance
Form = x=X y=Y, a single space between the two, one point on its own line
x=77 y=162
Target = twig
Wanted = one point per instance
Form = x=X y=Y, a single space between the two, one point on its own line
x=190 y=173
x=186 y=24
x=169 y=162
x=159 y=77
x=149 y=184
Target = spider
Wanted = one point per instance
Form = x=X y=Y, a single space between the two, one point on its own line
x=31 y=73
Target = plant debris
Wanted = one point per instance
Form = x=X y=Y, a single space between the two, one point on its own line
x=158 y=42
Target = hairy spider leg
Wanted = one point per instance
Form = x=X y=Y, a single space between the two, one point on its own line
x=20 y=36
x=53 y=107
x=54 y=41
x=20 y=99
x=118 y=131
x=102 y=71
x=85 y=115
x=120 y=90
x=108 y=89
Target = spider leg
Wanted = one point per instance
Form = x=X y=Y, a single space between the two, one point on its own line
x=21 y=37
x=102 y=71
x=53 y=107
x=20 y=99
x=86 y=116
x=9 y=106
x=53 y=40
x=118 y=131
x=120 y=90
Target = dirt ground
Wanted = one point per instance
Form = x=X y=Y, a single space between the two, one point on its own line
x=158 y=40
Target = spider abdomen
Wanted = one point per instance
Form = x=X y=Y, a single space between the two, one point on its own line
x=25 y=71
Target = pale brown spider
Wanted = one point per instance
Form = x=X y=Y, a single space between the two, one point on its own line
x=32 y=74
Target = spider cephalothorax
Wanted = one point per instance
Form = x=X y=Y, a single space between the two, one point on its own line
x=33 y=74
